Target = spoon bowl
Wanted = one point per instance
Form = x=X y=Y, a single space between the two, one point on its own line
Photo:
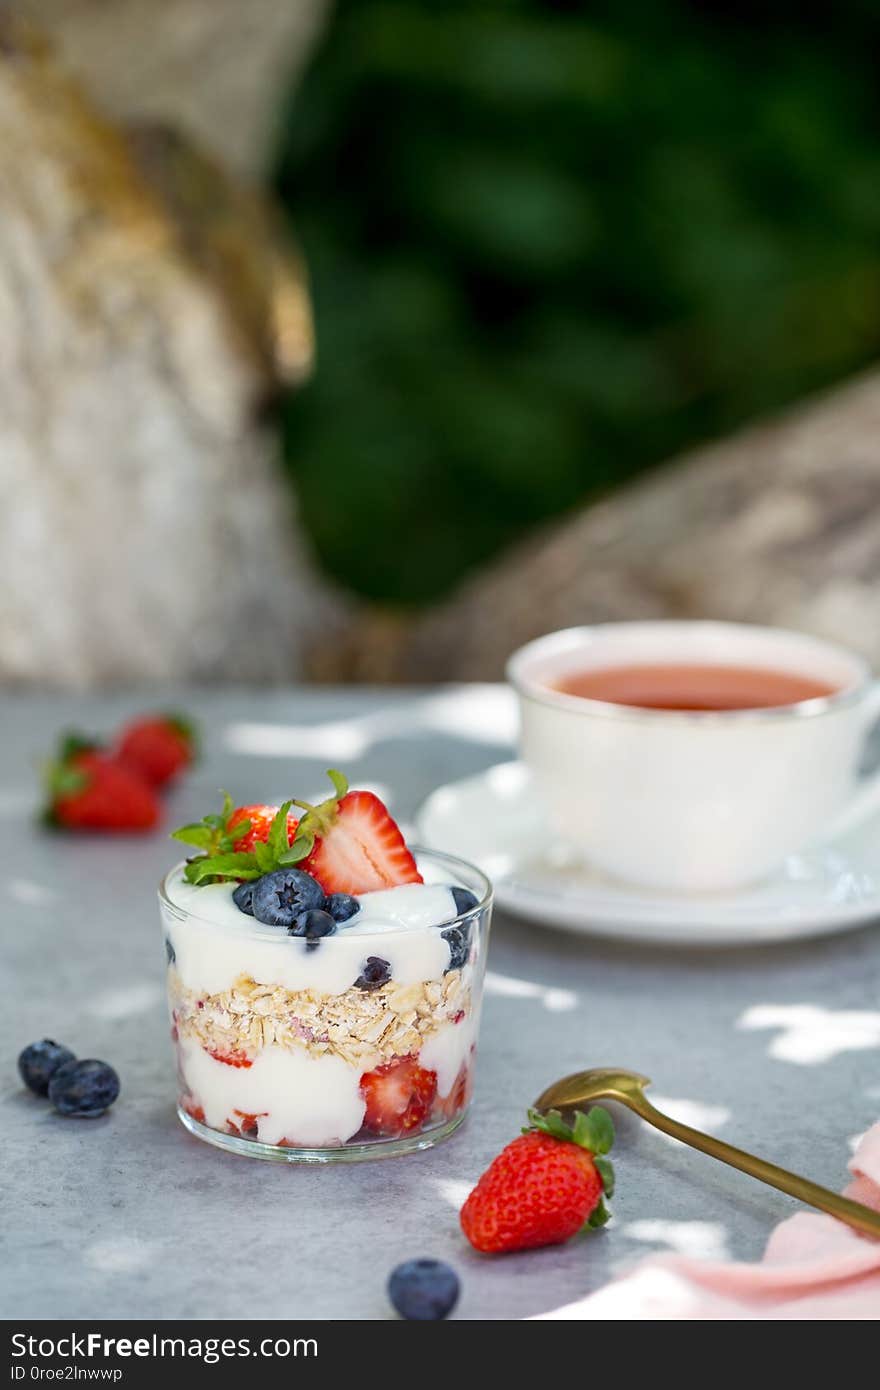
x=599 y=1083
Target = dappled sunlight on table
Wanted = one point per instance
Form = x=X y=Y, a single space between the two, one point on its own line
x=810 y=1034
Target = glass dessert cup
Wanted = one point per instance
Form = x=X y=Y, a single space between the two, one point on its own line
x=289 y=1050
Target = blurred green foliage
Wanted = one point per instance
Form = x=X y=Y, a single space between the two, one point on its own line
x=552 y=244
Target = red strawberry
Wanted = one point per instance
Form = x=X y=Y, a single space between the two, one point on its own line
x=399 y=1096
x=91 y=790
x=245 y=1124
x=260 y=818
x=460 y=1094
x=158 y=746
x=357 y=847
x=544 y=1186
x=230 y=1059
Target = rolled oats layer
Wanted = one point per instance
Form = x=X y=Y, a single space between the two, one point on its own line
x=364 y=1027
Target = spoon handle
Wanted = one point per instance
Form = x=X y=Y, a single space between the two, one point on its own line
x=853 y=1213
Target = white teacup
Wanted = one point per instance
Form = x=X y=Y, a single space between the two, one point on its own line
x=695 y=800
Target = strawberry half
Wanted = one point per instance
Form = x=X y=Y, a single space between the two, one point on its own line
x=351 y=843
x=399 y=1096
x=158 y=746
x=91 y=790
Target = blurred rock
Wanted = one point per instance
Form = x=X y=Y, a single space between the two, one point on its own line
x=215 y=69
x=780 y=524
x=147 y=312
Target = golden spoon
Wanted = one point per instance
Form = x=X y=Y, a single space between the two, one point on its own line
x=627 y=1087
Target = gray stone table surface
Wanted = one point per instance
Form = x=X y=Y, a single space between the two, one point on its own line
x=128 y=1216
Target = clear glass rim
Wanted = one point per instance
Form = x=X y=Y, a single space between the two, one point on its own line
x=261 y=932
x=529 y=687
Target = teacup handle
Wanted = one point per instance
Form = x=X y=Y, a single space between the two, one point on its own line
x=866 y=796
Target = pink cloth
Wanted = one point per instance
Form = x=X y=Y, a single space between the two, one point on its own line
x=813 y=1267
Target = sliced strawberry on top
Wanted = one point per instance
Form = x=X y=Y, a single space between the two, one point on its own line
x=363 y=850
x=356 y=845
x=399 y=1096
x=260 y=818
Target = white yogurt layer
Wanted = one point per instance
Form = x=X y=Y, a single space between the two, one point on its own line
x=412 y=905
x=219 y=942
x=312 y=1101
x=447 y=1051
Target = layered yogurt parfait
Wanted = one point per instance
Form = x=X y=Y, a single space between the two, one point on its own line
x=324 y=980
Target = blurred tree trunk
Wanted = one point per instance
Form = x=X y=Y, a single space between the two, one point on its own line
x=780 y=525
x=214 y=69
x=147 y=310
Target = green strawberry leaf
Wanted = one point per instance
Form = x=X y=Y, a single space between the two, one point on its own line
x=299 y=850
x=318 y=819
x=229 y=839
x=73 y=742
x=552 y=1123
x=198 y=834
x=277 y=842
x=599 y=1217
x=581 y=1131
x=211 y=833
x=340 y=783
x=67 y=781
x=605 y=1169
x=264 y=857
x=209 y=867
x=595 y=1130
x=188 y=729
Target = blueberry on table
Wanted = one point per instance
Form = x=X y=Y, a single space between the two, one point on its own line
x=424 y=1290
x=243 y=897
x=312 y=925
x=342 y=906
x=282 y=896
x=464 y=899
x=459 y=939
x=38 y=1063
x=376 y=972
x=84 y=1089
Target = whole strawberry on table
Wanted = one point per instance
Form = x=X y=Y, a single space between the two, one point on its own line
x=115 y=787
x=545 y=1186
x=158 y=746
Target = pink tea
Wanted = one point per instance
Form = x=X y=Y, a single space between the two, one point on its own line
x=693 y=687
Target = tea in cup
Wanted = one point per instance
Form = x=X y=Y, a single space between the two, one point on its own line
x=694 y=756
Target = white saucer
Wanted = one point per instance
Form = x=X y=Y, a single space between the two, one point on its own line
x=493 y=820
